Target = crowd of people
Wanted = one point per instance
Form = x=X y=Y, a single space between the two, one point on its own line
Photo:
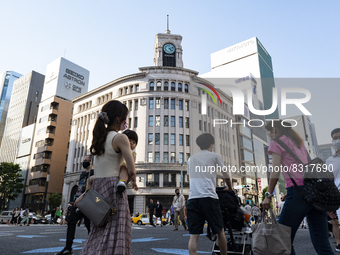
x=114 y=167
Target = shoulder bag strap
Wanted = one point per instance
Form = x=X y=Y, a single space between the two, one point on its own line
x=284 y=146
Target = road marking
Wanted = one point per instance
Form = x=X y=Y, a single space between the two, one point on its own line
x=44 y=233
x=148 y=239
x=5 y=234
x=24 y=236
x=189 y=234
x=12 y=231
x=75 y=240
x=177 y=251
x=53 y=249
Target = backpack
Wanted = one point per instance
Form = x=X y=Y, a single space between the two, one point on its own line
x=319 y=188
x=25 y=213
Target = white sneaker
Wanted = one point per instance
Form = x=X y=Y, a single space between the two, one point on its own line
x=121 y=187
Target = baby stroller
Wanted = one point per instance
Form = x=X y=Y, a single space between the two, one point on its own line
x=237 y=230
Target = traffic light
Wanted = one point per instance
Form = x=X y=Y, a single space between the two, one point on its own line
x=247 y=187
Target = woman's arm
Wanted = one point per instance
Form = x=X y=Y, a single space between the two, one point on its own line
x=274 y=177
x=121 y=142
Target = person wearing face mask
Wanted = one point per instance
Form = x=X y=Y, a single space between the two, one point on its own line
x=73 y=213
x=159 y=209
x=179 y=204
x=333 y=164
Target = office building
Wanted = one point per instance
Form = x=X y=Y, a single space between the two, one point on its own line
x=22 y=111
x=6 y=85
x=326 y=151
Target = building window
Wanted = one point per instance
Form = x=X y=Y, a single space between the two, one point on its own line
x=181 y=157
x=137 y=88
x=173 y=121
x=150 y=157
x=173 y=104
x=131 y=89
x=188 y=156
x=151 y=103
x=136 y=105
x=187 y=140
x=173 y=157
x=166 y=120
x=130 y=105
x=129 y=122
x=166 y=139
x=187 y=122
x=158 y=86
x=150 y=121
x=166 y=157
x=150 y=139
x=158 y=103
x=156 y=157
x=173 y=139
x=180 y=122
x=212 y=113
x=200 y=125
x=166 y=103
x=209 y=128
x=180 y=104
x=157 y=138
x=152 y=86
x=181 y=140
x=36 y=96
x=208 y=111
x=205 y=126
x=136 y=122
x=199 y=108
x=186 y=88
x=173 y=86
x=166 y=86
x=187 y=105
x=158 y=121
x=180 y=87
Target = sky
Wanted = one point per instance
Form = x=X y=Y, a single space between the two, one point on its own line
x=113 y=38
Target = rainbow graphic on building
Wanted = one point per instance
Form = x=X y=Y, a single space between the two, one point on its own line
x=204 y=98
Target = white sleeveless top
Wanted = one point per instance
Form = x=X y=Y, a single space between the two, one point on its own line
x=108 y=164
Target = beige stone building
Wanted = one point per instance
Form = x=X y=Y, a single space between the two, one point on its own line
x=164 y=104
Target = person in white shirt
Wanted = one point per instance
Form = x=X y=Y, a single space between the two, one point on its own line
x=333 y=164
x=179 y=203
x=255 y=211
x=203 y=204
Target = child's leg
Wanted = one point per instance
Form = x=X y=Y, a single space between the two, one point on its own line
x=123 y=173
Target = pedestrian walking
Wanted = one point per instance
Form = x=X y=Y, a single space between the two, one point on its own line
x=255 y=211
x=21 y=215
x=295 y=207
x=110 y=148
x=57 y=216
x=159 y=209
x=179 y=203
x=14 y=218
x=172 y=214
x=333 y=164
x=17 y=216
x=203 y=204
x=26 y=219
x=74 y=216
x=151 y=209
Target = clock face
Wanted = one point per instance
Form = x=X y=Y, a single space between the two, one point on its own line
x=169 y=48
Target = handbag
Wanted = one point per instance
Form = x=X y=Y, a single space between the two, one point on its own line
x=268 y=239
x=94 y=206
x=319 y=188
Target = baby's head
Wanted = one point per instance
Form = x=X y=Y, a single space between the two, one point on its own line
x=133 y=138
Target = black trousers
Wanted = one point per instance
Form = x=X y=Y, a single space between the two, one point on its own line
x=71 y=226
x=151 y=219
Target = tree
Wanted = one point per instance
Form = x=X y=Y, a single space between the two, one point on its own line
x=11 y=183
x=54 y=200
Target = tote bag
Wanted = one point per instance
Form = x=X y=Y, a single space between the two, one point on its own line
x=272 y=238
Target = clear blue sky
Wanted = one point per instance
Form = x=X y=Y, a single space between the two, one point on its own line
x=113 y=38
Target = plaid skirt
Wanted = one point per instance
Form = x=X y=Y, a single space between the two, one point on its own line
x=115 y=237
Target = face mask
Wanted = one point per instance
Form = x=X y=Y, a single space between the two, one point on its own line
x=177 y=193
x=125 y=125
x=336 y=145
x=158 y=203
x=86 y=164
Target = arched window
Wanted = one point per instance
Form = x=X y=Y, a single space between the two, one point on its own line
x=186 y=88
x=152 y=86
x=158 y=86
x=180 y=87
x=173 y=86
x=166 y=86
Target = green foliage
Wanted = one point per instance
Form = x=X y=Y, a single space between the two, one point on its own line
x=54 y=200
x=11 y=182
x=264 y=195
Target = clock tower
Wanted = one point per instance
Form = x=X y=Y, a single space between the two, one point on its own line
x=168 y=50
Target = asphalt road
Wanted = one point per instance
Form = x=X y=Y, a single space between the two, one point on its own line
x=48 y=239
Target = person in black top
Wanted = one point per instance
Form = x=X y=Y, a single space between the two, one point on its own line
x=52 y=216
x=73 y=213
x=152 y=207
x=159 y=209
